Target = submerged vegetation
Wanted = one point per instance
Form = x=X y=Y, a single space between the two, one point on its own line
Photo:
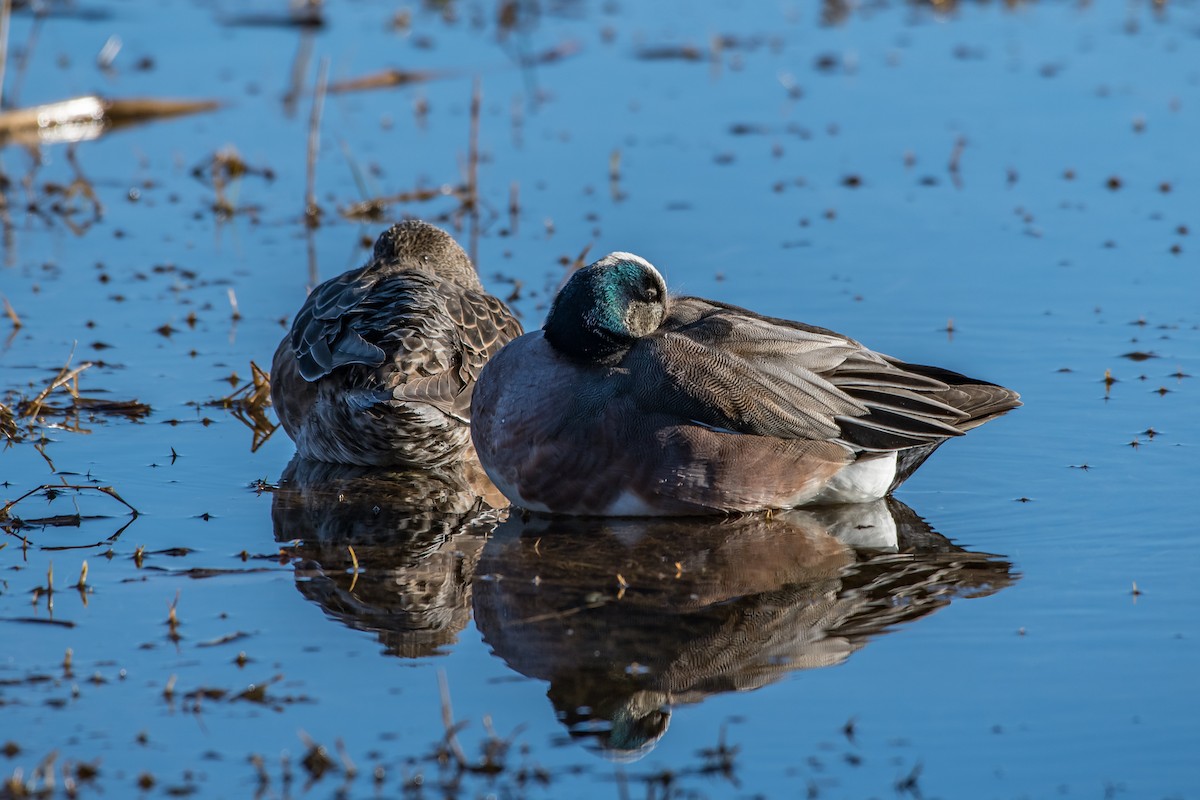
x=62 y=406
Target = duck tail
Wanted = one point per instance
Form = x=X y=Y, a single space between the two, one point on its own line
x=980 y=401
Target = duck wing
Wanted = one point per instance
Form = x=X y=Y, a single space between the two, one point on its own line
x=325 y=332
x=480 y=325
x=412 y=335
x=730 y=368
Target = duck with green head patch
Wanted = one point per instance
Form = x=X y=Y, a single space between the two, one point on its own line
x=629 y=402
x=380 y=362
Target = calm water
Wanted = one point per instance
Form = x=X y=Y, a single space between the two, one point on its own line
x=1026 y=176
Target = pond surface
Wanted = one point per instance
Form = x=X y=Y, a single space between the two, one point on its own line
x=1011 y=190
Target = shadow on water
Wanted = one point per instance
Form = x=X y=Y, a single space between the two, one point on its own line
x=386 y=551
x=627 y=618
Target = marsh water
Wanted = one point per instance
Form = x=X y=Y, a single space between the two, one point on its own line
x=1011 y=190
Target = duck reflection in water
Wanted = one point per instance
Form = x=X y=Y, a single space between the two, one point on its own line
x=628 y=617
x=417 y=536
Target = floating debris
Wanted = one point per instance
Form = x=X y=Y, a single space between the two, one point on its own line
x=554 y=54
x=305 y=14
x=11 y=312
x=89 y=117
x=52 y=490
x=375 y=208
x=385 y=79
x=671 y=52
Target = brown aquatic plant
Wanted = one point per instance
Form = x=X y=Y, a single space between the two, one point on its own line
x=24 y=417
x=224 y=170
x=385 y=79
x=249 y=403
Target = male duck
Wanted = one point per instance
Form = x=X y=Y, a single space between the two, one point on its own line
x=630 y=403
x=380 y=362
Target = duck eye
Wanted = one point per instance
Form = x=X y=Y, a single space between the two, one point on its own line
x=651 y=293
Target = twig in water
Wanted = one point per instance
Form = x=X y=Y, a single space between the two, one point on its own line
x=614 y=176
x=5 y=14
x=448 y=721
x=956 y=160
x=11 y=312
x=312 y=213
x=514 y=206
x=296 y=75
x=248 y=404
x=46 y=487
x=65 y=376
x=471 y=201
x=385 y=79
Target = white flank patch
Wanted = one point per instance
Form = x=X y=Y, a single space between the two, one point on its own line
x=865 y=480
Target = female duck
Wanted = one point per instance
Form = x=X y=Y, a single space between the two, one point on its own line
x=631 y=403
x=380 y=363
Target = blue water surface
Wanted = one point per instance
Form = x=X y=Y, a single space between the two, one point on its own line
x=1005 y=189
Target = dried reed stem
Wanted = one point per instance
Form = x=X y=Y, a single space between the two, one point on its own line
x=472 y=198
x=5 y=14
x=312 y=212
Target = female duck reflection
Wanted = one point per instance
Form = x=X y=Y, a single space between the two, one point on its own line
x=416 y=537
x=627 y=617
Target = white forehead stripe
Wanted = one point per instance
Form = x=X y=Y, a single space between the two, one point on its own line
x=621 y=255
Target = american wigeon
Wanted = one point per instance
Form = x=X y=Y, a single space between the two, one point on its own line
x=380 y=363
x=629 y=402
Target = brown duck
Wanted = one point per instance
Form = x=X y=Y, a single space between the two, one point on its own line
x=380 y=363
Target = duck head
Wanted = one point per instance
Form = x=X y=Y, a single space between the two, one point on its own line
x=606 y=306
x=415 y=244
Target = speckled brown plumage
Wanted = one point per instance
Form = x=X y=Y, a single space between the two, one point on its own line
x=380 y=363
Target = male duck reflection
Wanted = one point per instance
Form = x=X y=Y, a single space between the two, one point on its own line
x=704 y=606
x=379 y=364
x=630 y=402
